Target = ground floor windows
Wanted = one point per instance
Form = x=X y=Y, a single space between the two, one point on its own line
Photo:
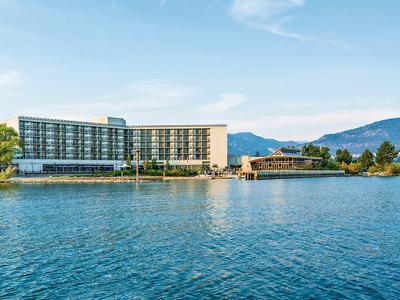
x=76 y=169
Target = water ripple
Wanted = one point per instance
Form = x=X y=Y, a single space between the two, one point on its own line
x=306 y=238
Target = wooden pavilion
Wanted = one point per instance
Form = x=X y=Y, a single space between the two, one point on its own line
x=284 y=159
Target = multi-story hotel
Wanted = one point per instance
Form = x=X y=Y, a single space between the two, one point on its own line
x=61 y=146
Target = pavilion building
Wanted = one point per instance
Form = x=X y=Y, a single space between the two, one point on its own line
x=281 y=159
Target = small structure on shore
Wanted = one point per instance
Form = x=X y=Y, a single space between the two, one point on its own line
x=284 y=159
x=283 y=163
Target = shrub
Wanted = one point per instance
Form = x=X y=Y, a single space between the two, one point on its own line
x=327 y=165
x=181 y=172
x=354 y=168
x=118 y=173
x=392 y=169
x=151 y=172
x=6 y=174
x=343 y=166
x=374 y=169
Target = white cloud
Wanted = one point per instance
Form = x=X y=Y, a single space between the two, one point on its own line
x=12 y=78
x=140 y=100
x=267 y=15
x=12 y=82
x=224 y=104
x=244 y=9
x=155 y=93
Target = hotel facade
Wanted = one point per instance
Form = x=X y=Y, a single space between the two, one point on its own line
x=62 y=146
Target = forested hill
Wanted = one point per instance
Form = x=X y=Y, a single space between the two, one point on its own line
x=366 y=137
x=247 y=143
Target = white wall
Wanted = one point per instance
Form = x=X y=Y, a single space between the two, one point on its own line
x=219 y=146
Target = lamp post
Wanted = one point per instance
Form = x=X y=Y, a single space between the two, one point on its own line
x=137 y=152
x=165 y=165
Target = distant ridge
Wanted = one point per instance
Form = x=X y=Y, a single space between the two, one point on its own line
x=355 y=140
x=247 y=143
x=366 y=137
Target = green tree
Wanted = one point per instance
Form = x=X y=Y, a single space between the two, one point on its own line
x=154 y=164
x=311 y=150
x=9 y=143
x=166 y=165
x=257 y=154
x=322 y=152
x=128 y=162
x=146 y=164
x=366 y=159
x=386 y=153
x=354 y=168
x=343 y=156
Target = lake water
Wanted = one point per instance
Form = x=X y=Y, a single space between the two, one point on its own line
x=297 y=238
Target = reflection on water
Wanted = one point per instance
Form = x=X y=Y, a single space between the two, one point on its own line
x=300 y=238
x=218 y=204
x=280 y=214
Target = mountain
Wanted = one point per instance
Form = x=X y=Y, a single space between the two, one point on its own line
x=247 y=143
x=366 y=137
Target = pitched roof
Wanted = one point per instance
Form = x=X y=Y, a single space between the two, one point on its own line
x=285 y=153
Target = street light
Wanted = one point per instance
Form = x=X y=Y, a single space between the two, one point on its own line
x=137 y=151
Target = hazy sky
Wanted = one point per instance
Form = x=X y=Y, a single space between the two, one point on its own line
x=286 y=69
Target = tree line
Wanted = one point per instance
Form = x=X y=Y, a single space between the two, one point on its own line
x=9 y=143
x=382 y=161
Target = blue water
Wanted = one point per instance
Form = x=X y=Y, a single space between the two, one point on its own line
x=299 y=238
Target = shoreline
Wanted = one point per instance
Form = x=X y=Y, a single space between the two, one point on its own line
x=127 y=179
x=92 y=180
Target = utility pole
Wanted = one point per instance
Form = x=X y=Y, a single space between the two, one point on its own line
x=137 y=165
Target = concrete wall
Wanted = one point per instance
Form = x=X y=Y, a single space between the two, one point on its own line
x=111 y=121
x=219 y=146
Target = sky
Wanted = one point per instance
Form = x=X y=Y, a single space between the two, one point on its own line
x=284 y=69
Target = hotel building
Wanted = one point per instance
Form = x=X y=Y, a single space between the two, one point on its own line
x=61 y=146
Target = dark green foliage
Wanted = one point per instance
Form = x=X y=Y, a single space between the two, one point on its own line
x=386 y=153
x=366 y=160
x=152 y=172
x=343 y=156
x=315 y=151
x=330 y=165
x=153 y=164
x=119 y=173
x=181 y=172
x=323 y=152
x=9 y=143
x=128 y=162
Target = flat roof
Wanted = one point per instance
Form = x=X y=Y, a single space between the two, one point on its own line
x=39 y=119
